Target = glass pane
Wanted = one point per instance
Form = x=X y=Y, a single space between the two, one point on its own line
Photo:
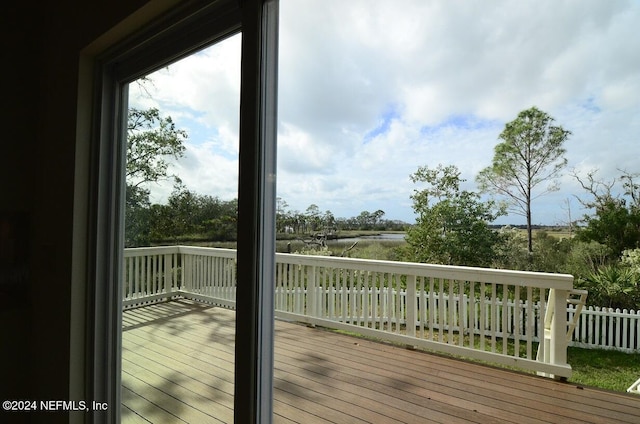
x=370 y=93
x=180 y=235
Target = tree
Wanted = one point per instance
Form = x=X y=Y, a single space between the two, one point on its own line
x=282 y=215
x=151 y=138
x=615 y=221
x=376 y=217
x=328 y=222
x=313 y=218
x=223 y=226
x=188 y=214
x=530 y=154
x=137 y=217
x=452 y=226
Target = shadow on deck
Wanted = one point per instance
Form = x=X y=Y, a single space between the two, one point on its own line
x=178 y=358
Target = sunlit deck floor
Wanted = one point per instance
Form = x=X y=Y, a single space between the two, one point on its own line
x=177 y=365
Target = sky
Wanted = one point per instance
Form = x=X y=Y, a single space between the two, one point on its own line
x=370 y=90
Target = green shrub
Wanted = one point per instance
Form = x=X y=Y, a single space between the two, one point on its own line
x=613 y=286
x=550 y=253
x=511 y=252
x=585 y=258
x=631 y=258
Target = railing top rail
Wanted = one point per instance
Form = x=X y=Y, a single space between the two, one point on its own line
x=450 y=272
x=208 y=251
x=489 y=275
x=157 y=250
x=193 y=250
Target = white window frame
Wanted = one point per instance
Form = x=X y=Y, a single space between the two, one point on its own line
x=187 y=28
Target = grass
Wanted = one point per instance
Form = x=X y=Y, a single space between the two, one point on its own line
x=557 y=232
x=606 y=369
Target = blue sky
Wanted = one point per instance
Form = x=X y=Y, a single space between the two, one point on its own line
x=370 y=90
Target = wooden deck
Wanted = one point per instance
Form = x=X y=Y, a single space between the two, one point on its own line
x=177 y=362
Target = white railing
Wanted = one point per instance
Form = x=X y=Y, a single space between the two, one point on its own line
x=151 y=275
x=458 y=310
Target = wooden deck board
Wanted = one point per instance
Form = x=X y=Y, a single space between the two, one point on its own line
x=178 y=357
x=458 y=385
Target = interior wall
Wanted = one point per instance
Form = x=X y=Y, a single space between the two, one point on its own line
x=20 y=110
x=37 y=179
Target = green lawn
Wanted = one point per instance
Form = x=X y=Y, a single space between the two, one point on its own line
x=607 y=369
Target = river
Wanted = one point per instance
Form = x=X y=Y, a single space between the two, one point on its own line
x=382 y=237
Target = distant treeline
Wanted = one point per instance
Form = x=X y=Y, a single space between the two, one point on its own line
x=191 y=216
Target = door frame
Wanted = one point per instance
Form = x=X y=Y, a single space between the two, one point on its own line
x=181 y=31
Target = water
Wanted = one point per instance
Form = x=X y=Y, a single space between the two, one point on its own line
x=384 y=236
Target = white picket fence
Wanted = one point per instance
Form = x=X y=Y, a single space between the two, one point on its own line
x=607 y=328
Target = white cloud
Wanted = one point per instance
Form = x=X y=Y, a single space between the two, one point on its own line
x=369 y=90
x=204 y=87
x=202 y=170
